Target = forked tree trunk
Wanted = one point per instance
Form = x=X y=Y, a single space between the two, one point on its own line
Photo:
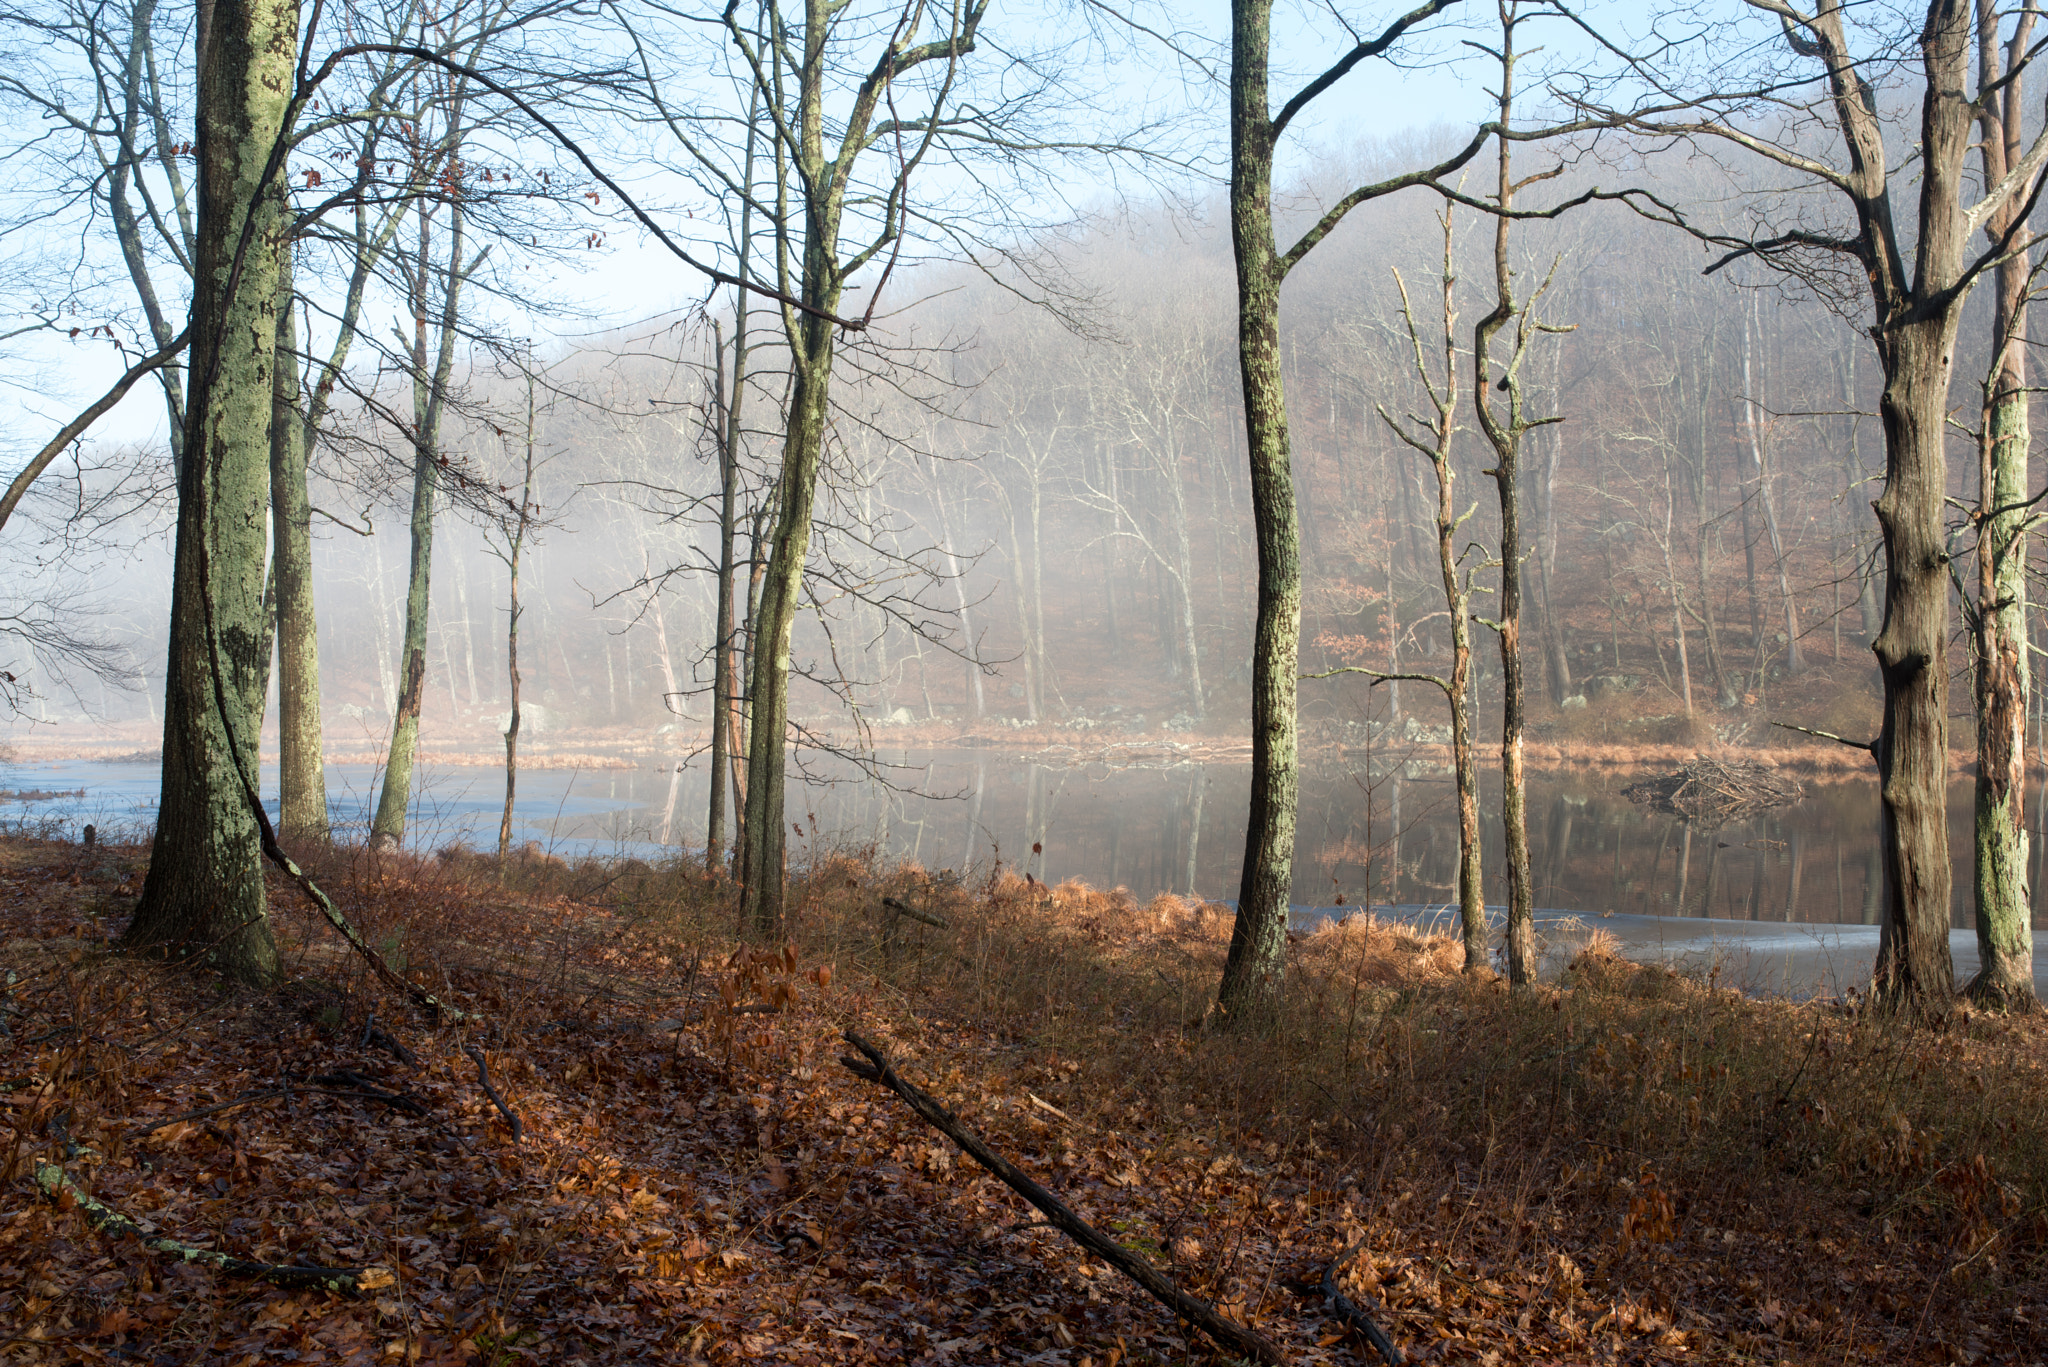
x=1457 y=688
x=203 y=897
x=781 y=585
x=430 y=392
x=1504 y=431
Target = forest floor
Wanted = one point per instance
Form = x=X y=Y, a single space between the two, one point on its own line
x=1627 y=1166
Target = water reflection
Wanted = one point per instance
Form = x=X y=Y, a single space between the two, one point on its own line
x=1152 y=823
x=1393 y=840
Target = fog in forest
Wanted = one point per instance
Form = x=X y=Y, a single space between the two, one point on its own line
x=1040 y=519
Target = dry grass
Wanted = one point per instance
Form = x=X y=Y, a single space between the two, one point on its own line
x=1627 y=1166
x=1805 y=1178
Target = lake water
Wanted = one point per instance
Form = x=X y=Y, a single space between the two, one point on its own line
x=1785 y=900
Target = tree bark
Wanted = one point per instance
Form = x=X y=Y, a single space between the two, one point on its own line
x=515 y=544
x=1258 y=937
x=430 y=391
x=1504 y=433
x=781 y=584
x=203 y=897
x=2005 y=942
x=302 y=776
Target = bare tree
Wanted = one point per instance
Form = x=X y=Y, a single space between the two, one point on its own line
x=1918 y=272
x=1434 y=436
x=1251 y=975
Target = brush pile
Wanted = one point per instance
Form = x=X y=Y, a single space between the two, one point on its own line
x=1716 y=790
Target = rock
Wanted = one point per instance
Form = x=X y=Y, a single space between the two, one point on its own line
x=1414 y=730
x=1575 y=703
x=533 y=719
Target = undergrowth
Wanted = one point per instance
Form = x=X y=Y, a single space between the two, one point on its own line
x=1628 y=1165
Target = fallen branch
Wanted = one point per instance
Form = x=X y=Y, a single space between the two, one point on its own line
x=1232 y=1335
x=483 y=1076
x=249 y=1100
x=396 y=1100
x=1868 y=746
x=366 y=1090
x=373 y=1033
x=902 y=908
x=1349 y=1311
x=58 y=1188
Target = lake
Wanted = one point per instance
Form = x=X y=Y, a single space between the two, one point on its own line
x=1786 y=899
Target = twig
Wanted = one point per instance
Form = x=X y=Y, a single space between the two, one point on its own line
x=396 y=1100
x=1237 y=1337
x=376 y=1034
x=1349 y=1311
x=248 y=1100
x=58 y=1188
x=368 y=1090
x=902 y=908
x=483 y=1075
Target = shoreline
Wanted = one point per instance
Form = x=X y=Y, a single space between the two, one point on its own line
x=616 y=750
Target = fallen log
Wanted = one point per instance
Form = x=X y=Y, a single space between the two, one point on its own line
x=902 y=908
x=58 y=1188
x=1351 y=1313
x=1241 y=1339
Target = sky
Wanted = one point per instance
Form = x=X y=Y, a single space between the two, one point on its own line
x=50 y=377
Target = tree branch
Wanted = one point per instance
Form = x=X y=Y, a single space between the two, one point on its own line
x=77 y=426
x=1236 y=1337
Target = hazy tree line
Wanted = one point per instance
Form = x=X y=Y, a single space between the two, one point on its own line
x=1142 y=466
x=1094 y=493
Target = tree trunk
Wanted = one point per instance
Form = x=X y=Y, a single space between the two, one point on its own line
x=387 y=830
x=2005 y=942
x=1677 y=601
x=302 y=777
x=1795 y=657
x=1258 y=938
x=1458 y=602
x=781 y=586
x=1696 y=463
x=1504 y=432
x=516 y=543
x=203 y=896
x=1913 y=965
x=722 y=683
x=1557 y=660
